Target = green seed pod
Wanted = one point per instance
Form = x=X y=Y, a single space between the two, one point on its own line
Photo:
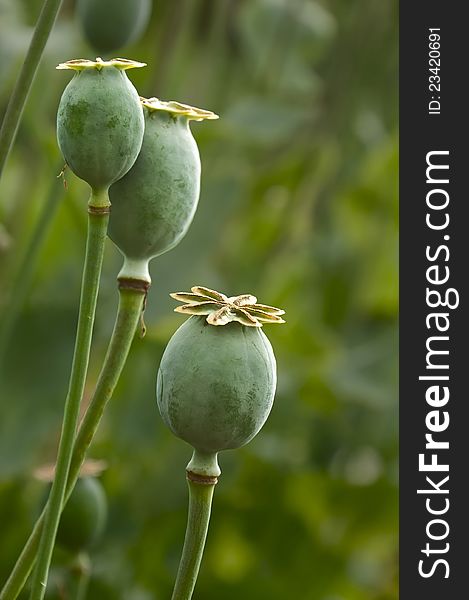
x=109 y=25
x=154 y=204
x=84 y=516
x=217 y=377
x=100 y=121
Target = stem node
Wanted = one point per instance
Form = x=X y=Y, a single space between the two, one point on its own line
x=136 y=285
x=201 y=479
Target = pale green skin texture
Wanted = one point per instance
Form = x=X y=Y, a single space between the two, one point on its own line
x=108 y=25
x=100 y=125
x=154 y=204
x=216 y=384
x=84 y=516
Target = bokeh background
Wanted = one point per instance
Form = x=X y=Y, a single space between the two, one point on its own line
x=299 y=207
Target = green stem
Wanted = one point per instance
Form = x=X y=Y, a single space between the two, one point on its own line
x=82 y=589
x=25 y=79
x=131 y=303
x=24 y=563
x=81 y=574
x=97 y=227
x=201 y=488
x=26 y=269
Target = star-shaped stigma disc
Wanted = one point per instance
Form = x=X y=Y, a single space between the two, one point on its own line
x=221 y=309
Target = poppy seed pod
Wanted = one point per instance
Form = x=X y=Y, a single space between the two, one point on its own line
x=154 y=204
x=84 y=516
x=108 y=25
x=217 y=377
x=100 y=121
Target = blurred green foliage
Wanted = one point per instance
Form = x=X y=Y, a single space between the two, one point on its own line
x=298 y=206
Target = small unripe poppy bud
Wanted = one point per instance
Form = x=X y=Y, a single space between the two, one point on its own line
x=84 y=516
x=109 y=25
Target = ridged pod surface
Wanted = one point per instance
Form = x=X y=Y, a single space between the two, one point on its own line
x=100 y=122
x=109 y=25
x=154 y=204
x=216 y=385
x=84 y=516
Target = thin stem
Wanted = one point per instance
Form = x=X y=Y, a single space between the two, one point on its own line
x=200 y=502
x=25 y=79
x=27 y=266
x=81 y=572
x=131 y=303
x=82 y=588
x=24 y=564
x=178 y=59
x=97 y=228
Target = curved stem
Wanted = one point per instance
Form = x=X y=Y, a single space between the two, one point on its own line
x=131 y=303
x=201 y=488
x=25 y=79
x=97 y=228
x=26 y=268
